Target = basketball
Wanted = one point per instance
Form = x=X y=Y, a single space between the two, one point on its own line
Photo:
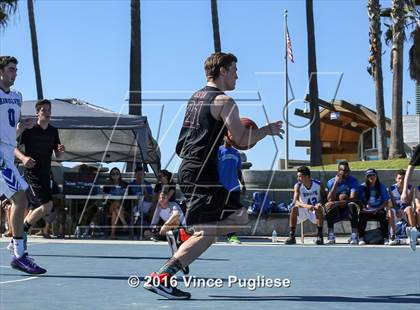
x=248 y=123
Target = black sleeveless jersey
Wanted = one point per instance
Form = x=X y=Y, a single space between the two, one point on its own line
x=201 y=134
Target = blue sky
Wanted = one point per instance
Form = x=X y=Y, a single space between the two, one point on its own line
x=84 y=53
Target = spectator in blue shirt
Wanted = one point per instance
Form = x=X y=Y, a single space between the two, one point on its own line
x=412 y=232
x=230 y=173
x=374 y=199
x=400 y=211
x=341 y=205
x=139 y=186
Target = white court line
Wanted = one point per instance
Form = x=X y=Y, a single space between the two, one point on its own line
x=13 y=281
x=29 y=245
x=20 y=280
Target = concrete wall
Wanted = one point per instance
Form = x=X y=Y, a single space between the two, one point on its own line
x=280 y=183
x=264 y=226
x=280 y=186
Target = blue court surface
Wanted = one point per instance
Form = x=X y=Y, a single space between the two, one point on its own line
x=94 y=275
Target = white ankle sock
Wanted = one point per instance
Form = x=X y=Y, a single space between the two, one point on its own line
x=18 y=248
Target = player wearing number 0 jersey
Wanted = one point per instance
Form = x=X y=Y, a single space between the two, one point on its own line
x=10 y=179
x=309 y=194
x=12 y=185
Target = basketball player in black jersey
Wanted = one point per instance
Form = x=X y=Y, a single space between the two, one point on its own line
x=210 y=112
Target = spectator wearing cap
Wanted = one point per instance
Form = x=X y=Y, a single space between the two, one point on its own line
x=374 y=200
x=342 y=202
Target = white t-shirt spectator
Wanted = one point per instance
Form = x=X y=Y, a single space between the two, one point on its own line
x=166 y=213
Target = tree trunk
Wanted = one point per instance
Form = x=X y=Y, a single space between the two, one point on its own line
x=215 y=21
x=35 y=55
x=316 y=150
x=134 y=102
x=397 y=140
x=375 y=59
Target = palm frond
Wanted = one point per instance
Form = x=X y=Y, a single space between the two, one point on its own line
x=414 y=56
x=7 y=8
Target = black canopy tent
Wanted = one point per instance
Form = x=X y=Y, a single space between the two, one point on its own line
x=93 y=134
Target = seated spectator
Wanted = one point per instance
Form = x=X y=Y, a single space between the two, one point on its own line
x=341 y=205
x=309 y=194
x=115 y=186
x=416 y=220
x=164 y=184
x=169 y=212
x=230 y=173
x=92 y=209
x=5 y=207
x=400 y=211
x=139 y=186
x=374 y=200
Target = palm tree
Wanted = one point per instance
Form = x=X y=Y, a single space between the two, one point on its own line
x=7 y=8
x=316 y=150
x=375 y=69
x=134 y=101
x=414 y=53
x=414 y=64
x=215 y=21
x=397 y=141
x=35 y=55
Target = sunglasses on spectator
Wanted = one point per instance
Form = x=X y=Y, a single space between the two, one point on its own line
x=115 y=173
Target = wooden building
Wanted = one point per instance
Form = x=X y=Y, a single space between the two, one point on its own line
x=348 y=131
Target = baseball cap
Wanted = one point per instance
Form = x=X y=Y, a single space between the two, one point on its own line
x=369 y=172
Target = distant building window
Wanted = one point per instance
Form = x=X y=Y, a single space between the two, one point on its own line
x=374 y=138
x=367 y=140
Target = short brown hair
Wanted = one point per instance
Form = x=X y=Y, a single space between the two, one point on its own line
x=5 y=60
x=400 y=172
x=40 y=103
x=216 y=61
x=304 y=170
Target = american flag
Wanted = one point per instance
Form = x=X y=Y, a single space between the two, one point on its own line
x=289 y=46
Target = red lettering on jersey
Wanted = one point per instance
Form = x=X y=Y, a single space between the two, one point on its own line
x=191 y=115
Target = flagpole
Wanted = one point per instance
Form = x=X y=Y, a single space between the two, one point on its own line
x=286 y=99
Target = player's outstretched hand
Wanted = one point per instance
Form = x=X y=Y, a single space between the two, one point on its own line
x=275 y=129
